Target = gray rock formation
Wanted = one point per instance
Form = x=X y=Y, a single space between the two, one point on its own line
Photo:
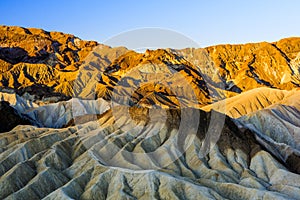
x=105 y=160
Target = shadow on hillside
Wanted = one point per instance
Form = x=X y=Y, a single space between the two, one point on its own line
x=16 y=55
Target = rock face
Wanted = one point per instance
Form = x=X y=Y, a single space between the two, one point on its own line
x=110 y=123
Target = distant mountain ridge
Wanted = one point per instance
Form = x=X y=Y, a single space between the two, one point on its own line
x=58 y=64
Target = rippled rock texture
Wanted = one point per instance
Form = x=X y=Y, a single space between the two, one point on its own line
x=103 y=159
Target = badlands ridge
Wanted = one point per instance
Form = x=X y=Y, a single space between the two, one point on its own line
x=81 y=120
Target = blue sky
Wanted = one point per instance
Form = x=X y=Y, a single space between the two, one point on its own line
x=206 y=22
